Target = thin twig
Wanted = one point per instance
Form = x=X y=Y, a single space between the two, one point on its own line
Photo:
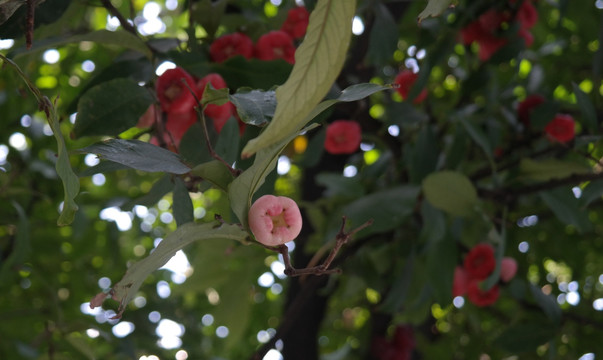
x=122 y=20
x=323 y=269
x=29 y=25
x=212 y=152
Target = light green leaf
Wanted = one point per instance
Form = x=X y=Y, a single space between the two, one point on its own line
x=111 y=108
x=125 y=290
x=241 y=190
x=138 y=155
x=550 y=169
x=452 y=192
x=433 y=8
x=318 y=61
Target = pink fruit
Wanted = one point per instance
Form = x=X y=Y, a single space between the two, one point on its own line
x=274 y=220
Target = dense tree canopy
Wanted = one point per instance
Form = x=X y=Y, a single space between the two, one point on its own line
x=318 y=179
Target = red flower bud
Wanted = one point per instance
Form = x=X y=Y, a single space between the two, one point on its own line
x=275 y=45
x=343 y=137
x=480 y=262
x=561 y=128
x=527 y=15
x=508 y=269
x=173 y=93
x=297 y=22
x=406 y=79
x=274 y=220
x=231 y=45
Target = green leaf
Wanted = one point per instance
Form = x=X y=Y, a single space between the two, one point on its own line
x=388 y=208
x=424 y=156
x=158 y=190
x=433 y=8
x=208 y=14
x=71 y=183
x=227 y=145
x=102 y=167
x=111 y=108
x=215 y=172
x=255 y=107
x=126 y=289
x=550 y=169
x=400 y=286
x=21 y=247
x=214 y=96
x=384 y=36
x=478 y=136
x=589 y=113
x=318 y=61
x=566 y=207
x=441 y=261
x=121 y=38
x=525 y=337
x=183 y=205
x=547 y=303
x=8 y=7
x=240 y=72
x=138 y=155
x=452 y=192
x=241 y=190
x=339 y=185
x=593 y=191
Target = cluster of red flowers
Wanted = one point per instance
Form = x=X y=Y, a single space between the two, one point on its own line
x=477 y=266
x=343 y=137
x=399 y=347
x=405 y=81
x=560 y=129
x=277 y=44
x=176 y=91
x=488 y=31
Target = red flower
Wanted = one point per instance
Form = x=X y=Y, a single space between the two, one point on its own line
x=404 y=337
x=231 y=45
x=491 y=45
x=297 y=22
x=343 y=137
x=508 y=269
x=525 y=108
x=275 y=45
x=480 y=262
x=173 y=93
x=406 y=79
x=561 y=128
x=479 y=297
x=218 y=113
x=460 y=282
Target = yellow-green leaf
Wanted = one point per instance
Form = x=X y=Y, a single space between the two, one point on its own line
x=451 y=191
x=318 y=61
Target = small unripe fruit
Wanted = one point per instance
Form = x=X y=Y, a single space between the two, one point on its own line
x=274 y=220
